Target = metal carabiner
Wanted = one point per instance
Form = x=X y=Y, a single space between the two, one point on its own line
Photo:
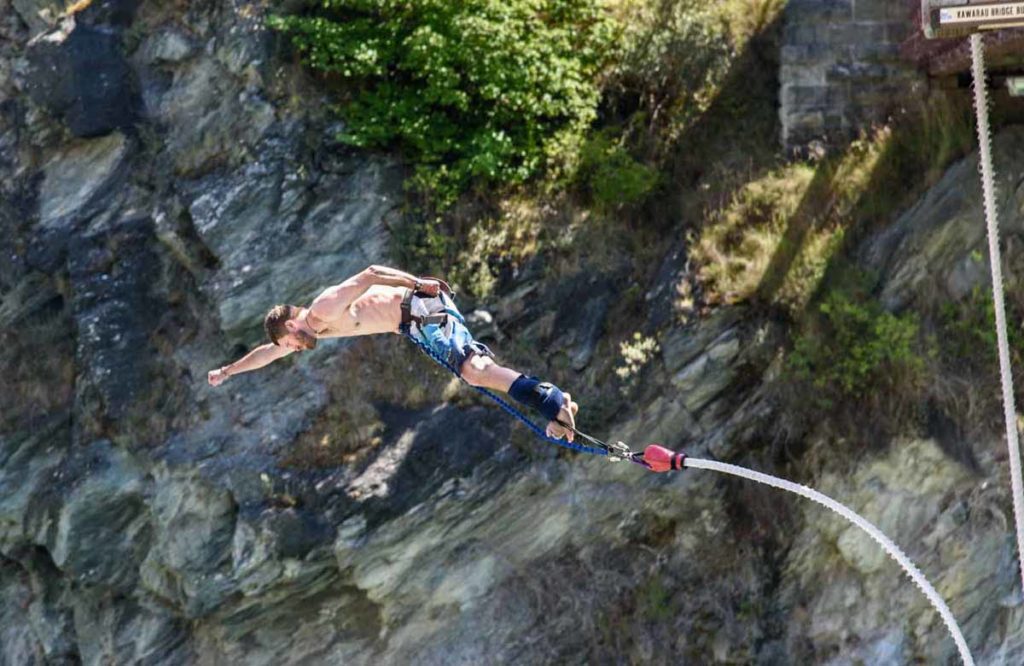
x=618 y=452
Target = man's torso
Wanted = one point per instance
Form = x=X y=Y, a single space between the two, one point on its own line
x=377 y=310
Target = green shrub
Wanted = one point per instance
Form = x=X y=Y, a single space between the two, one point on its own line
x=611 y=175
x=673 y=63
x=670 y=51
x=969 y=330
x=475 y=91
x=858 y=353
x=967 y=369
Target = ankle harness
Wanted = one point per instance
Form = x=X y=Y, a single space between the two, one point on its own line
x=544 y=397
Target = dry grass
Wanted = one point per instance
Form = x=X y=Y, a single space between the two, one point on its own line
x=76 y=7
x=774 y=239
x=735 y=247
x=777 y=236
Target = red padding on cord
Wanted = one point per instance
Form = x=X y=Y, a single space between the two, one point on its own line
x=660 y=459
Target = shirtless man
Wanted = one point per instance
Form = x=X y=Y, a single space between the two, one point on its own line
x=385 y=300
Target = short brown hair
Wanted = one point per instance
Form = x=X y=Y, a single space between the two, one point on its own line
x=275 y=319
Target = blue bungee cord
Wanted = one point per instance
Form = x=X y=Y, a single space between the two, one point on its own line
x=504 y=404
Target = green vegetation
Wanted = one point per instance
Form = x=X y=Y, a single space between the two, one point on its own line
x=857 y=353
x=673 y=57
x=611 y=175
x=486 y=91
x=965 y=371
x=636 y=354
x=968 y=330
x=654 y=600
x=783 y=240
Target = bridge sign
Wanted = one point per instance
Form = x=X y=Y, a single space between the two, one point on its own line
x=959 y=18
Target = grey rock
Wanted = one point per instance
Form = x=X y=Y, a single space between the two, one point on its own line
x=167 y=46
x=103 y=529
x=700 y=379
x=311 y=613
x=938 y=247
x=483 y=326
x=79 y=72
x=120 y=630
x=80 y=183
x=681 y=345
x=112 y=13
x=581 y=306
x=209 y=119
x=115 y=312
x=903 y=493
x=296 y=532
x=860 y=550
x=41 y=613
x=193 y=529
x=78 y=178
x=38 y=14
x=459 y=538
x=438 y=446
x=665 y=421
x=281 y=237
x=29 y=461
x=666 y=304
x=246 y=51
x=18 y=642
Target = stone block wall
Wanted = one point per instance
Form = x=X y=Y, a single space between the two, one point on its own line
x=841 y=68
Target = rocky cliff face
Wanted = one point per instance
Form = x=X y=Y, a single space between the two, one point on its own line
x=167 y=177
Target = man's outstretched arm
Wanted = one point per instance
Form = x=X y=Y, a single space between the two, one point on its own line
x=254 y=360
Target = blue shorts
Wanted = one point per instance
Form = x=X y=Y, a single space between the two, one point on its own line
x=451 y=340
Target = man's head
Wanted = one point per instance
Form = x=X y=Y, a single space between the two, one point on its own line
x=285 y=330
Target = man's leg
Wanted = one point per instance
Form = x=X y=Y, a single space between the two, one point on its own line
x=480 y=370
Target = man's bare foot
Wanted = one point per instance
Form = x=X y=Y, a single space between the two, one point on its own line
x=567 y=416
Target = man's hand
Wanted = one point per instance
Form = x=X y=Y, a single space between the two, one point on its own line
x=428 y=287
x=217 y=377
x=566 y=416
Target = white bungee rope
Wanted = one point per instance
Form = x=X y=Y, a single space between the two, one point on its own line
x=858 y=520
x=992 y=222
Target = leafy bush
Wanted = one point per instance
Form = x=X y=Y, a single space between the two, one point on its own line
x=611 y=175
x=858 y=353
x=674 y=61
x=671 y=50
x=472 y=91
x=969 y=329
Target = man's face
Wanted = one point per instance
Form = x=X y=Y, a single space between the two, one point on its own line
x=296 y=339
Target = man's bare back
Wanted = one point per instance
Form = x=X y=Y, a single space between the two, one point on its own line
x=371 y=302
